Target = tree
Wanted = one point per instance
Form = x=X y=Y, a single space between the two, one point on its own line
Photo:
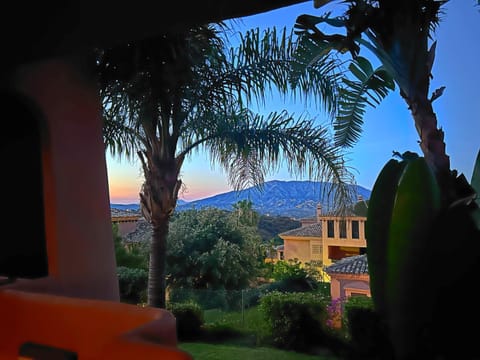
x=209 y=249
x=245 y=214
x=418 y=204
x=168 y=96
x=270 y=226
x=128 y=256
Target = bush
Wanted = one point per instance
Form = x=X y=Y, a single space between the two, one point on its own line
x=190 y=320
x=297 y=320
x=206 y=298
x=289 y=269
x=368 y=335
x=132 y=284
x=351 y=304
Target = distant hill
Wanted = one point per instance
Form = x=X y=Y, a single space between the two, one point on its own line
x=136 y=207
x=295 y=199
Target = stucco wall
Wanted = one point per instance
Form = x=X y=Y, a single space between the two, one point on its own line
x=341 y=285
x=299 y=249
x=81 y=258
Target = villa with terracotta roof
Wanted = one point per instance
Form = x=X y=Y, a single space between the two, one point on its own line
x=125 y=220
x=349 y=277
x=329 y=239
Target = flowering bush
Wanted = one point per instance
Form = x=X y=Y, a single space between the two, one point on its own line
x=334 y=313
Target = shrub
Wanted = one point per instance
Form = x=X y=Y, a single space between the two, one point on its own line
x=367 y=334
x=297 y=320
x=351 y=304
x=334 y=311
x=132 y=284
x=190 y=320
x=289 y=269
x=206 y=298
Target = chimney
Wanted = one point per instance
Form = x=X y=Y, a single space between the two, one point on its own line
x=319 y=212
x=360 y=198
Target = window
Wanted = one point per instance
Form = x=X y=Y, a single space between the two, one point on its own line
x=330 y=229
x=355 y=229
x=343 y=229
x=282 y=257
x=316 y=249
x=353 y=294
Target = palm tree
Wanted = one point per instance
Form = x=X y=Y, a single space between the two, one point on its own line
x=245 y=213
x=400 y=35
x=165 y=97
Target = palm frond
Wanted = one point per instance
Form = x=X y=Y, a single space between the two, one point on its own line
x=119 y=136
x=263 y=65
x=249 y=146
x=312 y=63
x=369 y=87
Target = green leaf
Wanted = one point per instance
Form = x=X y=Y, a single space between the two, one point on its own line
x=476 y=178
x=377 y=229
x=368 y=87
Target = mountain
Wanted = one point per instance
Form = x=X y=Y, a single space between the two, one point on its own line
x=295 y=199
x=136 y=207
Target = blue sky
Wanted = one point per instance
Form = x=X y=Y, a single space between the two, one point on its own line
x=387 y=128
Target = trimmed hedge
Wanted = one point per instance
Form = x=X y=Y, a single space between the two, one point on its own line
x=190 y=320
x=297 y=320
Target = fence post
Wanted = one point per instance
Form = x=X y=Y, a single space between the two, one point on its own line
x=243 y=311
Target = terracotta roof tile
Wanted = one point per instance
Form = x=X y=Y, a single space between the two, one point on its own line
x=356 y=265
x=314 y=230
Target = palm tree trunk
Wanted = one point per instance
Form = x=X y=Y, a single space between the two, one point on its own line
x=156 y=273
x=158 y=199
x=432 y=141
x=431 y=138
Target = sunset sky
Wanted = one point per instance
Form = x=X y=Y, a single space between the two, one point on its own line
x=387 y=128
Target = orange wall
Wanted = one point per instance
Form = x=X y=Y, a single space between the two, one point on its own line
x=78 y=224
x=299 y=249
x=342 y=284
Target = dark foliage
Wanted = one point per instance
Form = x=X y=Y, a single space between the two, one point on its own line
x=132 y=284
x=270 y=226
x=189 y=316
x=297 y=322
x=368 y=335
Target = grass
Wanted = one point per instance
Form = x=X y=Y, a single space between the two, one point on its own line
x=202 y=351
x=236 y=328
x=251 y=320
x=237 y=335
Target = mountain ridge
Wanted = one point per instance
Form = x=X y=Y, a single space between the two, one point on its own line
x=293 y=198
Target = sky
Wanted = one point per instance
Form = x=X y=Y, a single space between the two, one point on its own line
x=388 y=127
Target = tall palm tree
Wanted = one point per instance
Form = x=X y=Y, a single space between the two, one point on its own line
x=400 y=34
x=185 y=91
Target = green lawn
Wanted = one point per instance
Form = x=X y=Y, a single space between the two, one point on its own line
x=250 y=320
x=202 y=351
x=252 y=325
